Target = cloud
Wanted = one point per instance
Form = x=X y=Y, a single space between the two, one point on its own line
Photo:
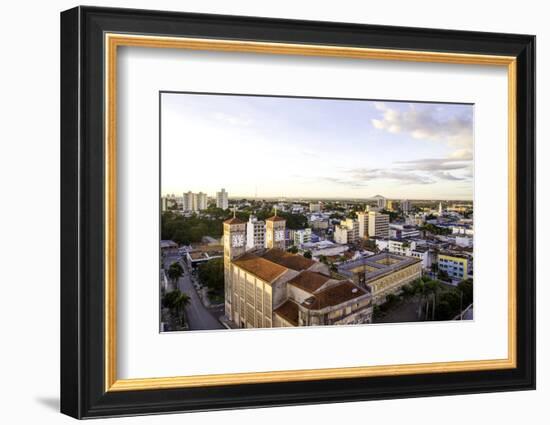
x=433 y=164
x=418 y=171
x=404 y=177
x=348 y=182
x=428 y=122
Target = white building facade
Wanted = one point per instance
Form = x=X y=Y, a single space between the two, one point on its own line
x=378 y=224
x=255 y=233
x=222 y=199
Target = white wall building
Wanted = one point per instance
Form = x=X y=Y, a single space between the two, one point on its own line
x=194 y=201
x=222 y=200
x=363 y=221
x=378 y=224
x=381 y=202
x=255 y=233
x=347 y=231
x=464 y=241
x=188 y=201
x=406 y=248
x=398 y=231
x=302 y=236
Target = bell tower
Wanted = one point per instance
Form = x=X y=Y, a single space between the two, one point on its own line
x=234 y=244
x=275 y=232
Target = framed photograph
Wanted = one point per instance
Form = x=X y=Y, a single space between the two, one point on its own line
x=261 y=212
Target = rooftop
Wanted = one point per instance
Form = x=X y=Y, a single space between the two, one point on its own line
x=309 y=281
x=288 y=260
x=462 y=254
x=264 y=269
x=288 y=311
x=168 y=244
x=234 y=220
x=275 y=218
x=377 y=265
x=334 y=295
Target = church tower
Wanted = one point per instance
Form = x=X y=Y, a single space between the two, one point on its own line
x=234 y=244
x=275 y=232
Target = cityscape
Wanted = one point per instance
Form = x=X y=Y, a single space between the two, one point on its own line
x=247 y=256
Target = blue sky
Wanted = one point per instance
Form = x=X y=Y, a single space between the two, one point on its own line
x=291 y=147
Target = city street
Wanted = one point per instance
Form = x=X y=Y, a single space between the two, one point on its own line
x=198 y=316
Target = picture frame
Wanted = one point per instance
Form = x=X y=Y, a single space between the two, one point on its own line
x=90 y=39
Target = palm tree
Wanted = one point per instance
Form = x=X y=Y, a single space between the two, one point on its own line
x=175 y=271
x=176 y=301
x=432 y=287
x=179 y=303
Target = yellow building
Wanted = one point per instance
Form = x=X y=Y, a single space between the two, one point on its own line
x=273 y=288
x=458 y=266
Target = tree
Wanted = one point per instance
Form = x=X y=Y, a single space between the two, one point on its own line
x=432 y=288
x=307 y=254
x=467 y=289
x=176 y=301
x=175 y=271
x=211 y=274
x=443 y=275
x=293 y=249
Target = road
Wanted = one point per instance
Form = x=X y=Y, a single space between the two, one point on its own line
x=198 y=316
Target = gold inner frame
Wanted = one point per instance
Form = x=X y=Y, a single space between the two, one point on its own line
x=113 y=41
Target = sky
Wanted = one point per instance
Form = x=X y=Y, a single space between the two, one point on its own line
x=315 y=148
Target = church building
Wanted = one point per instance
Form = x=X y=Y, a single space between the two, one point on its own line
x=269 y=287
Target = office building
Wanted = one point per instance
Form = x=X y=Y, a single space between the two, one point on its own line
x=378 y=224
x=347 y=231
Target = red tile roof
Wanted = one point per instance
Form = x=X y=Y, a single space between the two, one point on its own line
x=288 y=311
x=309 y=281
x=334 y=295
x=275 y=218
x=288 y=260
x=234 y=220
x=260 y=267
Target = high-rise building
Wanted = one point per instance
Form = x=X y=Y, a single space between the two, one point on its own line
x=363 y=221
x=194 y=201
x=202 y=201
x=222 y=199
x=405 y=206
x=255 y=233
x=188 y=201
x=347 y=231
x=381 y=202
x=390 y=205
x=379 y=224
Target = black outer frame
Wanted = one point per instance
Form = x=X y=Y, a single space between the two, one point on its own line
x=82 y=208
